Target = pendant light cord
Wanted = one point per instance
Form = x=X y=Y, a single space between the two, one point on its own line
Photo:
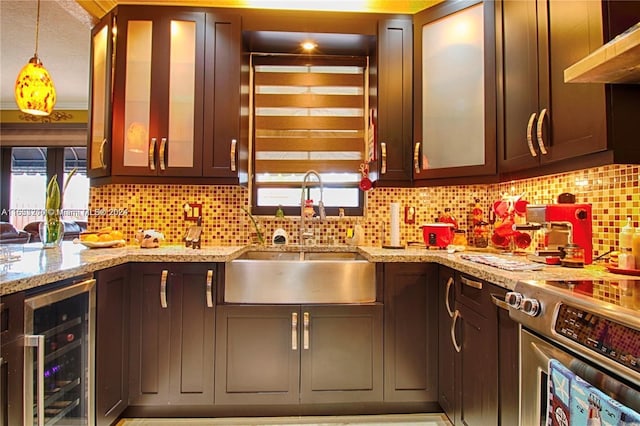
x=37 y=27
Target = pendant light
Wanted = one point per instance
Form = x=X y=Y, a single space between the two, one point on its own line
x=34 y=90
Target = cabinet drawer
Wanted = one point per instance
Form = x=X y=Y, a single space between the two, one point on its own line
x=474 y=293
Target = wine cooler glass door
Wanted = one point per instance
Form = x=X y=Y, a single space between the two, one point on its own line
x=58 y=361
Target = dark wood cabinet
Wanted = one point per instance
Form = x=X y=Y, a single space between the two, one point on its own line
x=221 y=147
x=410 y=346
x=447 y=354
x=282 y=354
x=172 y=334
x=395 y=102
x=112 y=343
x=11 y=359
x=478 y=352
x=454 y=108
x=174 y=110
x=544 y=120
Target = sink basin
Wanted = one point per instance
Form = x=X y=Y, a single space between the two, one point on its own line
x=299 y=278
x=300 y=255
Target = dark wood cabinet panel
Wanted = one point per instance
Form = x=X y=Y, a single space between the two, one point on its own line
x=112 y=343
x=160 y=131
x=342 y=361
x=395 y=102
x=281 y=354
x=477 y=372
x=257 y=357
x=172 y=334
x=544 y=120
x=222 y=96
x=447 y=355
x=12 y=359
x=459 y=93
x=410 y=291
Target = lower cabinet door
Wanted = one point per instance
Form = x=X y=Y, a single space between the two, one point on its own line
x=447 y=391
x=112 y=344
x=257 y=354
x=284 y=354
x=477 y=373
x=341 y=358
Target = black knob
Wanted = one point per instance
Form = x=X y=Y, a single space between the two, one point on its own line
x=530 y=307
x=513 y=299
x=581 y=214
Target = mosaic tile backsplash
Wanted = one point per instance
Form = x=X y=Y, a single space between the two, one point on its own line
x=613 y=192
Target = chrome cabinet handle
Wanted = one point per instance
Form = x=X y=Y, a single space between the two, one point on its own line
x=471 y=283
x=37 y=341
x=163 y=145
x=456 y=315
x=210 y=288
x=446 y=297
x=294 y=331
x=152 y=154
x=499 y=302
x=101 y=153
x=543 y=149
x=530 y=135
x=383 y=149
x=163 y=289
x=416 y=158
x=232 y=155
x=305 y=332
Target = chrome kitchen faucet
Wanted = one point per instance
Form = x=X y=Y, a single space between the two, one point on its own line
x=302 y=236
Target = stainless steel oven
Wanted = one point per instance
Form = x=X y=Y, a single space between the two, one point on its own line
x=591 y=328
x=59 y=354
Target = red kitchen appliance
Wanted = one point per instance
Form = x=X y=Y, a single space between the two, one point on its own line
x=567 y=224
x=437 y=234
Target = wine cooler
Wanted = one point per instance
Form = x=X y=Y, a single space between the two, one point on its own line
x=59 y=355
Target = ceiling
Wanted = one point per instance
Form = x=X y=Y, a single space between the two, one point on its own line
x=65 y=28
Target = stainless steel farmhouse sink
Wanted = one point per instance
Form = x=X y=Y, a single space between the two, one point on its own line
x=299 y=277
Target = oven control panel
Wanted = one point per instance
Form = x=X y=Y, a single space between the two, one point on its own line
x=613 y=340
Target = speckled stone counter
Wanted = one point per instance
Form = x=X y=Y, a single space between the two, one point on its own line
x=39 y=267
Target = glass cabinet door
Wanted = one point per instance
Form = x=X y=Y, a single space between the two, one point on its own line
x=160 y=94
x=455 y=110
x=137 y=106
x=100 y=110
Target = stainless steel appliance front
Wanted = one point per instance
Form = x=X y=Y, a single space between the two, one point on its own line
x=59 y=355
x=591 y=327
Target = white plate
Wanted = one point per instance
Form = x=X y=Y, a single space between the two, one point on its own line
x=100 y=244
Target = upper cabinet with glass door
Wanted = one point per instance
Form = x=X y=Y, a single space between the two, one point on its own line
x=165 y=94
x=158 y=99
x=454 y=87
x=99 y=143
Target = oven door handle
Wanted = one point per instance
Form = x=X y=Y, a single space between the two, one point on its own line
x=547 y=352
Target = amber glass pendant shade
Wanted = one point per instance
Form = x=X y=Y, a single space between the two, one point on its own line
x=34 y=91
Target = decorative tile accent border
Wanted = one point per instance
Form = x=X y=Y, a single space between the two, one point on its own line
x=613 y=191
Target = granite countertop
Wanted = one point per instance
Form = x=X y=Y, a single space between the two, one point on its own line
x=38 y=266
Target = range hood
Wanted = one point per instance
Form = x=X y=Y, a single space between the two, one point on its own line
x=616 y=62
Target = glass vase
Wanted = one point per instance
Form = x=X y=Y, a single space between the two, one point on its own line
x=51 y=232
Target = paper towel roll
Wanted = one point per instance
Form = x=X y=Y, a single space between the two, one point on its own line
x=395 y=224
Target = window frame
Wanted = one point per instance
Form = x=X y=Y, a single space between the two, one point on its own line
x=298 y=59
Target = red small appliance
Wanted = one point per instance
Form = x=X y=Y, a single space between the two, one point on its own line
x=580 y=218
x=437 y=234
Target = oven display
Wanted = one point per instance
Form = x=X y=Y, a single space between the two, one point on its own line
x=618 y=342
